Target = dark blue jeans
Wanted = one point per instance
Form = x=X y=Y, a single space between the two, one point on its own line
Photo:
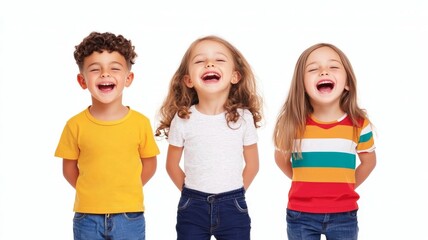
x=310 y=226
x=202 y=215
x=122 y=226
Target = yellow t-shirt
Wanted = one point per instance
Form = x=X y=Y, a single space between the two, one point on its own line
x=108 y=154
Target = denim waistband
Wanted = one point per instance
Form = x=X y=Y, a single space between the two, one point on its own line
x=209 y=197
x=107 y=214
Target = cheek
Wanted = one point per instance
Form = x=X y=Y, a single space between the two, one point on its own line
x=344 y=81
x=307 y=84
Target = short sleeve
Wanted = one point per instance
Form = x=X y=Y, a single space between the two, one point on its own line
x=148 y=147
x=68 y=147
x=250 y=135
x=366 y=140
x=176 y=132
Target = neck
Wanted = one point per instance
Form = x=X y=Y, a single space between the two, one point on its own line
x=327 y=114
x=210 y=107
x=108 y=112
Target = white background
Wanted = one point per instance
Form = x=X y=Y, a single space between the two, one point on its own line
x=386 y=41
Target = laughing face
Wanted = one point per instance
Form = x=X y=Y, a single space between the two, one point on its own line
x=105 y=75
x=211 y=70
x=325 y=77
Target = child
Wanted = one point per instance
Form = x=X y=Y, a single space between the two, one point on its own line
x=211 y=114
x=322 y=129
x=108 y=150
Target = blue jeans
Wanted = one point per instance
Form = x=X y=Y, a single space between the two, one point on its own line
x=310 y=226
x=202 y=215
x=122 y=226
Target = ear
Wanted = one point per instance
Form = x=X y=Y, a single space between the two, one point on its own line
x=236 y=77
x=81 y=81
x=188 y=81
x=346 y=87
x=129 y=79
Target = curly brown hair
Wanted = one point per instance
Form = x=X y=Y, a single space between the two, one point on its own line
x=242 y=95
x=99 y=42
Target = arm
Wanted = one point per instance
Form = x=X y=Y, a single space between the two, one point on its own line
x=149 y=169
x=173 y=166
x=283 y=162
x=368 y=163
x=251 y=157
x=70 y=170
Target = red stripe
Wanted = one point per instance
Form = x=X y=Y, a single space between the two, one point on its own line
x=346 y=122
x=322 y=197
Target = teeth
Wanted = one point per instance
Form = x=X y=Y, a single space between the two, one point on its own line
x=210 y=74
x=322 y=82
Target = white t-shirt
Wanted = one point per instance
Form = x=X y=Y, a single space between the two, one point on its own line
x=213 y=151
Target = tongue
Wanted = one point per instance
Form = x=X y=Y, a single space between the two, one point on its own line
x=211 y=78
x=324 y=89
x=106 y=87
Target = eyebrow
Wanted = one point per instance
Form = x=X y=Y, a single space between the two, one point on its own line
x=98 y=63
x=216 y=53
x=331 y=60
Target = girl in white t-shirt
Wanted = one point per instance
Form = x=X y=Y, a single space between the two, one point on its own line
x=210 y=115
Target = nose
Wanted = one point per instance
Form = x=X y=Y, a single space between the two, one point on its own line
x=105 y=74
x=323 y=73
x=209 y=65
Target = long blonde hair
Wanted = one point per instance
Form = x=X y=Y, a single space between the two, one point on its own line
x=180 y=98
x=291 y=120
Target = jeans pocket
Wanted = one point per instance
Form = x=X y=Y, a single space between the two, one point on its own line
x=353 y=214
x=134 y=215
x=241 y=204
x=183 y=203
x=78 y=216
x=291 y=214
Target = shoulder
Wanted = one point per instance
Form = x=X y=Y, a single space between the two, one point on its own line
x=366 y=126
x=78 y=117
x=138 y=115
x=364 y=122
x=178 y=120
x=245 y=114
x=193 y=114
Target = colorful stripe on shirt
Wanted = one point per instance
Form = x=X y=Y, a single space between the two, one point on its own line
x=328 y=160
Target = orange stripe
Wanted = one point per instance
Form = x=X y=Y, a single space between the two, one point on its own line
x=339 y=175
x=365 y=145
x=345 y=132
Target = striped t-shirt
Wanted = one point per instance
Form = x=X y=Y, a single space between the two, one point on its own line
x=324 y=178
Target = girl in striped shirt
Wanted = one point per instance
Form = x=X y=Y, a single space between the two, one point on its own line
x=319 y=133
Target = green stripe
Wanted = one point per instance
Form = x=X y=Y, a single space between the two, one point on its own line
x=366 y=137
x=325 y=159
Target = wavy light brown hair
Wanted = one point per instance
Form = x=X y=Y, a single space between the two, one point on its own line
x=180 y=98
x=291 y=120
x=99 y=42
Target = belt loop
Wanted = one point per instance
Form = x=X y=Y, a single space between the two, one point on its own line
x=211 y=198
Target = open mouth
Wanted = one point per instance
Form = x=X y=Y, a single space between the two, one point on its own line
x=325 y=86
x=211 y=76
x=106 y=86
